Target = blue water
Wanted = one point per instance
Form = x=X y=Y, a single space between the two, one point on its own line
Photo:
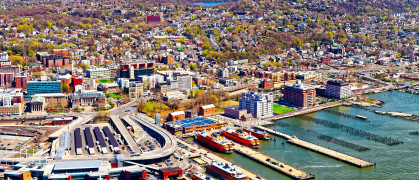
x=393 y=162
x=209 y=3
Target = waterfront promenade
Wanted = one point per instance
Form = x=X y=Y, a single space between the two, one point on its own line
x=318 y=149
x=272 y=163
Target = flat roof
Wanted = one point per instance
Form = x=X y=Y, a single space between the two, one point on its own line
x=208 y=106
x=199 y=121
x=68 y=165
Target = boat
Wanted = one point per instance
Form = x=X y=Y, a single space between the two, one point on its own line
x=215 y=142
x=361 y=117
x=225 y=171
x=259 y=134
x=241 y=137
x=200 y=176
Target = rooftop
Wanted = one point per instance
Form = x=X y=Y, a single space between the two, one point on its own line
x=199 y=121
x=77 y=165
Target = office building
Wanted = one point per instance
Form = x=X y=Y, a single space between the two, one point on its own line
x=43 y=87
x=98 y=73
x=299 y=95
x=258 y=104
x=135 y=69
x=338 y=89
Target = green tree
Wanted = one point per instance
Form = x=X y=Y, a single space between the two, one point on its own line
x=16 y=59
x=84 y=66
x=65 y=88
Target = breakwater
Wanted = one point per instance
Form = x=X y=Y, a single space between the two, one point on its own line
x=327 y=138
x=345 y=115
x=353 y=131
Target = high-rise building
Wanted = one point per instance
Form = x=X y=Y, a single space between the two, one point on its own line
x=43 y=87
x=299 y=94
x=338 y=89
x=185 y=82
x=258 y=104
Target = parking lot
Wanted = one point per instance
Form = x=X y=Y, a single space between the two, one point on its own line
x=10 y=142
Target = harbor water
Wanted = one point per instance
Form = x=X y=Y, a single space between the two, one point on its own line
x=392 y=162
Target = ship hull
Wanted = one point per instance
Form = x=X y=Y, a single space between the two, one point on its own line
x=214 y=145
x=258 y=135
x=223 y=174
x=241 y=140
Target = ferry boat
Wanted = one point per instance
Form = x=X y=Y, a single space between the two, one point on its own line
x=215 y=141
x=259 y=134
x=225 y=171
x=200 y=176
x=241 y=137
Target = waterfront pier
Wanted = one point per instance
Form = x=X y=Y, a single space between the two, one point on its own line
x=319 y=149
x=272 y=163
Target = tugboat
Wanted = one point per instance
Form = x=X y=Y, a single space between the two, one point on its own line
x=241 y=137
x=225 y=171
x=259 y=134
x=215 y=142
x=200 y=176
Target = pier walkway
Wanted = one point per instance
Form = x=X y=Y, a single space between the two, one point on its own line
x=319 y=149
x=272 y=163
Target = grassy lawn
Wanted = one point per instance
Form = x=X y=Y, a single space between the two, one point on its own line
x=281 y=109
x=104 y=81
x=114 y=95
x=229 y=103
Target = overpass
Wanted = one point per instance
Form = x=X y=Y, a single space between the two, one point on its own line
x=167 y=140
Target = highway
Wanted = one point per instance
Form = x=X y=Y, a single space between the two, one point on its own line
x=124 y=133
x=167 y=140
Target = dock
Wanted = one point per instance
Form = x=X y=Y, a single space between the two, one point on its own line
x=319 y=149
x=210 y=155
x=274 y=164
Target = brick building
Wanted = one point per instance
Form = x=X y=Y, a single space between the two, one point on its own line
x=299 y=95
x=267 y=84
x=55 y=60
x=206 y=110
x=153 y=20
x=174 y=116
x=20 y=81
x=167 y=59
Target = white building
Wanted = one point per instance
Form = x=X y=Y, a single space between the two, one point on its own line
x=338 y=89
x=259 y=104
x=98 y=73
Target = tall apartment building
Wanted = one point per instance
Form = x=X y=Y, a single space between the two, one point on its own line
x=184 y=82
x=299 y=94
x=222 y=73
x=258 y=104
x=43 y=87
x=338 y=89
x=98 y=73
x=21 y=81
